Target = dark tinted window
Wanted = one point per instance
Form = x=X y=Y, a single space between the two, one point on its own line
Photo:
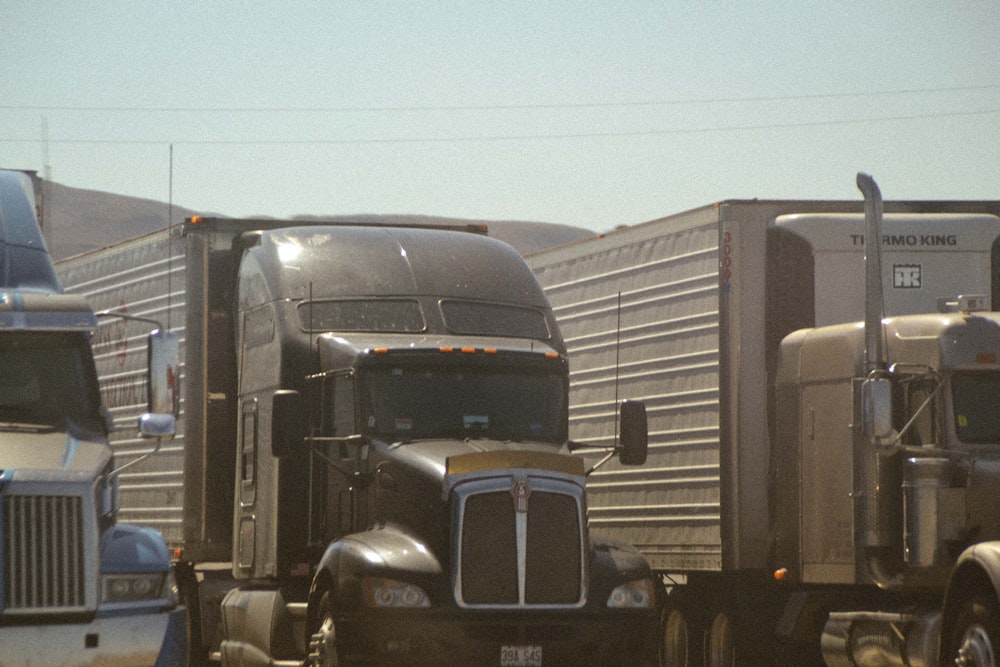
x=975 y=397
x=362 y=315
x=47 y=378
x=445 y=402
x=492 y=319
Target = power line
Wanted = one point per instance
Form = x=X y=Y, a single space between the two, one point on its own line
x=499 y=138
x=497 y=107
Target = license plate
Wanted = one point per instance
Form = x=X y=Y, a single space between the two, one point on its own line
x=520 y=656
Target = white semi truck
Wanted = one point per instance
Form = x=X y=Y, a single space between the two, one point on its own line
x=76 y=586
x=823 y=480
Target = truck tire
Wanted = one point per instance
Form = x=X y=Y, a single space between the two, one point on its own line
x=187 y=582
x=720 y=649
x=323 y=642
x=681 y=642
x=975 y=633
x=675 y=639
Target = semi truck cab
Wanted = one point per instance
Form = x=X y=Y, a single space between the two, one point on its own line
x=406 y=493
x=77 y=588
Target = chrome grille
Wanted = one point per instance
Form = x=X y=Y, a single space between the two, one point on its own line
x=511 y=558
x=43 y=554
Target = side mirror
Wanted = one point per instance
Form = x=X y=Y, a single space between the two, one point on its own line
x=157 y=425
x=634 y=436
x=876 y=406
x=287 y=422
x=164 y=358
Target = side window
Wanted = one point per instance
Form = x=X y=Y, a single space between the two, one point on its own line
x=248 y=453
x=343 y=406
x=337 y=414
x=924 y=428
x=331 y=481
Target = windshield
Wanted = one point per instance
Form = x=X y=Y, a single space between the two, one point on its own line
x=975 y=397
x=406 y=403
x=46 y=379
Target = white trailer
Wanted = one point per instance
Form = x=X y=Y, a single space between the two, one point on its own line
x=687 y=313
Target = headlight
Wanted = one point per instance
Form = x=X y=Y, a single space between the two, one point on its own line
x=638 y=594
x=139 y=587
x=380 y=592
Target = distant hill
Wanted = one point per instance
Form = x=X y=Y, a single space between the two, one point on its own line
x=78 y=220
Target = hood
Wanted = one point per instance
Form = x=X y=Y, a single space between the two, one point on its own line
x=431 y=457
x=25 y=449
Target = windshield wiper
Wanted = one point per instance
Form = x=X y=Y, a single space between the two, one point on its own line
x=26 y=427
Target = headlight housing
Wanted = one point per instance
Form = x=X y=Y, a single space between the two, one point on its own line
x=389 y=593
x=637 y=594
x=117 y=588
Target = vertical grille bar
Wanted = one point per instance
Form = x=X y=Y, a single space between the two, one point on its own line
x=43 y=553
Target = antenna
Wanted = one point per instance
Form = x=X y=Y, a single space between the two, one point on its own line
x=312 y=323
x=618 y=353
x=46 y=167
x=45 y=221
x=170 y=222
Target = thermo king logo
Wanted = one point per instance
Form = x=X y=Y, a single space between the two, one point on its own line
x=906 y=276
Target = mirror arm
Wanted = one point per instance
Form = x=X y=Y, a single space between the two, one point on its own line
x=923 y=406
x=607 y=457
x=347 y=440
x=126 y=316
x=117 y=471
x=159 y=442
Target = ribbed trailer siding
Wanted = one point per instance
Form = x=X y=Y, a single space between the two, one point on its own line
x=686 y=313
x=143 y=278
x=640 y=317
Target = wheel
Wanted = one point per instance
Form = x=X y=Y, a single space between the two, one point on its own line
x=187 y=582
x=674 y=652
x=975 y=633
x=721 y=648
x=323 y=642
x=681 y=641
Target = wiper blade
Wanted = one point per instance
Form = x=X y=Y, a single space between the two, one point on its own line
x=26 y=427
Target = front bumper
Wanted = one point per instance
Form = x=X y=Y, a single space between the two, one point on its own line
x=434 y=637
x=135 y=640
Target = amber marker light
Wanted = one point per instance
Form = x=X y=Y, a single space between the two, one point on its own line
x=986 y=358
x=446 y=349
x=780 y=574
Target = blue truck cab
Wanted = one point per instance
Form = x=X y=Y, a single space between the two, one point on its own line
x=77 y=588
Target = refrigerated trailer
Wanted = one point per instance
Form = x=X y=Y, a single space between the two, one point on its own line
x=784 y=534
x=371 y=464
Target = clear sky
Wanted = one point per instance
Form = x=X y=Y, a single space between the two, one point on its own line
x=586 y=113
